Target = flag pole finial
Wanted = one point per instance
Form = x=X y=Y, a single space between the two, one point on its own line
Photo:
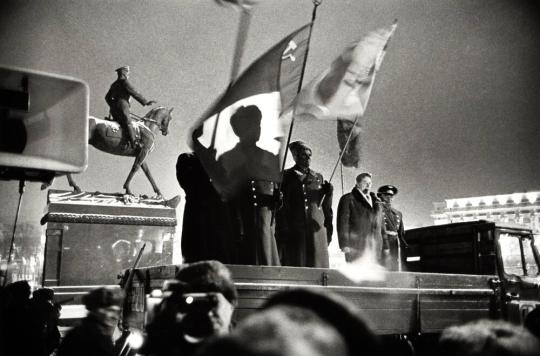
x=317 y=2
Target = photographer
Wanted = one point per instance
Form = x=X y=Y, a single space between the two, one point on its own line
x=197 y=305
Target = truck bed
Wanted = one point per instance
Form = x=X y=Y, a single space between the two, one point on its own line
x=403 y=303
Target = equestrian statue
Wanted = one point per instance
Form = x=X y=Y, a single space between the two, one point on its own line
x=126 y=134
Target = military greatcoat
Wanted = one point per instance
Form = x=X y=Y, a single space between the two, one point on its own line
x=304 y=225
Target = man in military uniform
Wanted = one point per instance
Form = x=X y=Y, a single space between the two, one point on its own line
x=395 y=233
x=304 y=225
x=118 y=98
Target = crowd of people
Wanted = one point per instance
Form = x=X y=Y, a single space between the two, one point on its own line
x=289 y=223
x=195 y=317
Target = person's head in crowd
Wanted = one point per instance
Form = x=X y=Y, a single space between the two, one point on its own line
x=197 y=305
x=17 y=293
x=104 y=306
x=532 y=322
x=300 y=322
x=301 y=154
x=214 y=279
x=386 y=193
x=363 y=182
x=43 y=294
x=486 y=337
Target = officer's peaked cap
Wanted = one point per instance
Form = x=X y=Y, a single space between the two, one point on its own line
x=387 y=189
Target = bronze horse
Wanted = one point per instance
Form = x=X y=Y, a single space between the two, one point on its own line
x=108 y=136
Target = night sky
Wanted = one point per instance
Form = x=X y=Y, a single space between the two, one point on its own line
x=454 y=111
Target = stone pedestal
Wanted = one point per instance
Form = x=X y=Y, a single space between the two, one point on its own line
x=92 y=237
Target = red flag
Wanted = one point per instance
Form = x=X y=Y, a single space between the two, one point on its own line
x=240 y=137
x=343 y=90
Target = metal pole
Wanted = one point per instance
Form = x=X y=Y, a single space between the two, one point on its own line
x=12 y=243
x=316 y=4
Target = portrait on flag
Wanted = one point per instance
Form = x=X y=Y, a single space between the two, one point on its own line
x=343 y=90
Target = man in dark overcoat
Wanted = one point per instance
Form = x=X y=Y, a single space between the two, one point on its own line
x=360 y=222
x=394 y=231
x=207 y=228
x=304 y=225
x=118 y=98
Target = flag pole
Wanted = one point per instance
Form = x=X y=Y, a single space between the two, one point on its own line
x=241 y=37
x=344 y=148
x=374 y=69
x=340 y=156
x=316 y=4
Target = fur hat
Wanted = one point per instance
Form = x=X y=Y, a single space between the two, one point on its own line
x=103 y=297
x=296 y=146
x=207 y=277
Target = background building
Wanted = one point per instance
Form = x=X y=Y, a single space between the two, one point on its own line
x=522 y=208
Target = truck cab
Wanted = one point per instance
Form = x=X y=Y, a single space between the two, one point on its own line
x=508 y=252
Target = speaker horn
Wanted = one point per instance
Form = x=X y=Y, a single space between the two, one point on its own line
x=43 y=124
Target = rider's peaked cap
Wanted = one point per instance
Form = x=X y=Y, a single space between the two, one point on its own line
x=387 y=189
x=122 y=69
x=345 y=317
x=207 y=277
x=103 y=297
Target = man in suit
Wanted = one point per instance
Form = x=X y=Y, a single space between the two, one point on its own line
x=118 y=98
x=360 y=222
x=304 y=222
x=394 y=232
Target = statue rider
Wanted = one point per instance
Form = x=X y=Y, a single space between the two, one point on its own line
x=118 y=98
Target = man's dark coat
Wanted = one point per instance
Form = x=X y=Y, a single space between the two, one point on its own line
x=360 y=225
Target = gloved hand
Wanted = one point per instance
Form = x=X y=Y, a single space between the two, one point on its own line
x=327 y=188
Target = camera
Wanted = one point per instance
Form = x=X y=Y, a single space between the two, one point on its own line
x=176 y=308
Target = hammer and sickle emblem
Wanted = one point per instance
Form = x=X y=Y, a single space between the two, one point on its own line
x=287 y=53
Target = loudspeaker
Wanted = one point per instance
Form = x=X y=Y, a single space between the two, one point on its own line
x=43 y=124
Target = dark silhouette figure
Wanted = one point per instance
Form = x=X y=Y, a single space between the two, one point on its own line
x=14 y=319
x=43 y=324
x=206 y=227
x=255 y=173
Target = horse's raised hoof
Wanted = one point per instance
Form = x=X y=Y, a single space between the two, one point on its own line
x=173 y=202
